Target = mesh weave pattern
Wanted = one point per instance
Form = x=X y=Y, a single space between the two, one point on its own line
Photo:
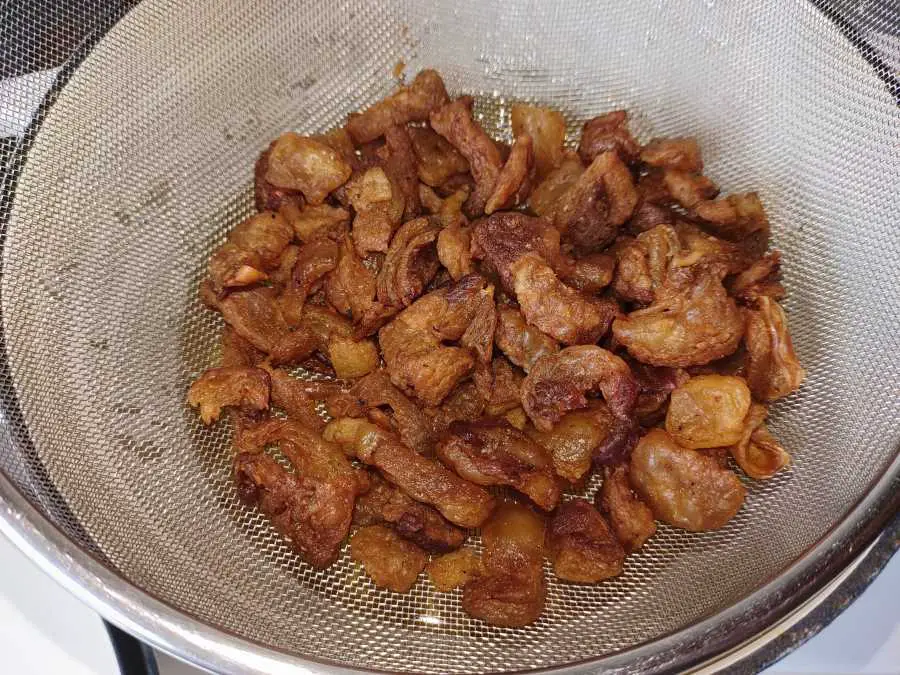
x=143 y=162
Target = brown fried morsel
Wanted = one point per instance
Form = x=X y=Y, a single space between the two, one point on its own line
x=692 y=321
x=425 y=480
x=454 y=250
x=514 y=180
x=580 y=435
x=511 y=591
x=465 y=402
x=500 y=385
x=312 y=507
x=453 y=570
x=501 y=239
x=642 y=264
x=523 y=344
x=630 y=518
x=379 y=207
x=312 y=262
x=479 y=334
x=773 y=370
x=708 y=411
x=581 y=545
x=228 y=386
x=605 y=133
x=559 y=311
x=589 y=274
x=410 y=264
x=437 y=159
x=389 y=561
x=656 y=384
x=683 y=487
x=681 y=154
x=266 y=196
x=400 y=166
x=256 y=316
x=546 y=197
x=758 y=453
x=350 y=357
x=761 y=278
x=547 y=129
x=738 y=218
x=420 y=523
x=252 y=248
x=648 y=215
x=455 y=123
x=558 y=383
x=316 y=221
x=493 y=452
x=236 y=351
x=688 y=189
x=306 y=165
x=590 y=213
x=418 y=363
x=280 y=277
x=351 y=287
x=340 y=141
x=414 y=103
x=293 y=396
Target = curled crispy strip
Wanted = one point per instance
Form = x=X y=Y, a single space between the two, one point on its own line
x=773 y=370
x=758 y=453
x=513 y=182
x=229 y=386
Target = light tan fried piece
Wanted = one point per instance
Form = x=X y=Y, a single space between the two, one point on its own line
x=708 y=411
x=493 y=452
x=773 y=370
x=606 y=133
x=266 y=196
x=521 y=343
x=379 y=207
x=414 y=103
x=453 y=570
x=437 y=159
x=683 y=487
x=687 y=188
x=630 y=518
x=390 y=561
x=253 y=248
x=316 y=221
x=229 y=386
x=558 y=383
x=511 y=591
x=514 y=179
x=758 y=453
x=306 y=165
x=453 y=249
x=425 y=480
x=681 y=154
x=547 y=129
x=350 y=357
x=455 y=123
x=581 y=544
x=738 y=218
x=760 y=279
x=546 y=198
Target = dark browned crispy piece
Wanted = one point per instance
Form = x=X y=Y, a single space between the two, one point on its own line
x=558 y=383
x=437 y=160
x=691 y=322
x=492 y=452
x=414 y=103
x=410 y=264
x=608 y=132
x=391 y=562
x=773 y=370
x=253 y=248
x=499 y=385
x=479 y=334
x=236 y=351
x=631 y=519
x=379 y=205
x=681 y=154
x=418 y=522
x=688 y=189
x=556 y=309
x=504 y=238
x=455 y=123
x=425 y=480
x=546 y=197
x=760 y=279
x=522 y=344
x=229 y=386
x=312 y=507
x=683 y=487
x=656 y=384
x=648 y=215
x=401 y=167
x=312 y=262
x=581 y=544
x=514 y=179
x=738 y=218
x=350 y=288
x=547 y=130
x=294 y=397
x=465 y=402
x=511 y=590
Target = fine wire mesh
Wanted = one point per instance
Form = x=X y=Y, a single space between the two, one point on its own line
x=143 y=162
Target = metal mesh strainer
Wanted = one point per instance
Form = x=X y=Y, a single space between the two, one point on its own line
x=139 y=161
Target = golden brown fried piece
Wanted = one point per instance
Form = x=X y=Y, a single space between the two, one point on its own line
x=306 y=165
x=631 y=519
x=410 y=264
x=414 y=103
x=758 y=453
x=236 y=351
x=558 y=383
x=229 y=386
x=547 y=130
x=511 y=591
x=583 y=436
x=418 y=363
x=648 y=215
x=479 y=334
x=760 y=279
x=453 y=249
x=606 y=133
x=253 y=248
x=688 y=189
x=350 y=288
x=499 y=385
x=465 y=403
x=504 y=238
x=400 y=165
x=514 y=180
x=316 y=221
x=589 y=274
x=255 y=315
x=294 y=396
x=437 y=160
x=391 y=562
x=420 y=523
x=522 y=344
x=493 y=452
x=737 y=218
x=379 y=207
x=453 y=570
x=312 y=262
x=350 y=358
x=557 y=310
x=708 y=411
x=681 y=154
x=691 y=322
x=266 y=196
x=773 y=370
x=455 y=123
x=312 y=507
x=424 y=479
x=546 y=198
x=601 y=199
x=684 y=487
x=581 y=544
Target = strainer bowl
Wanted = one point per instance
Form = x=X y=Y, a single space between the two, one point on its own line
x=139 y=160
